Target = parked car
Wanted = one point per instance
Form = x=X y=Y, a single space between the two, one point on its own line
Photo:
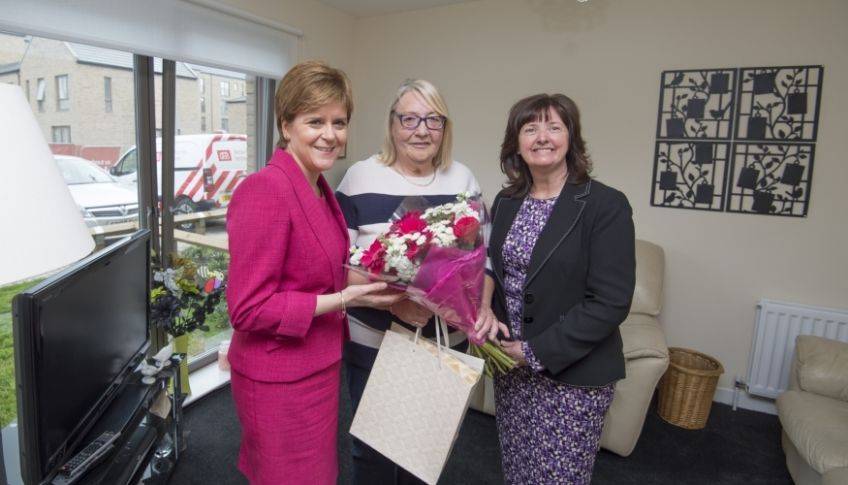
x=101 y=198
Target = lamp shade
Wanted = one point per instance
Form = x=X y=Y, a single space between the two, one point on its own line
x=43 y=228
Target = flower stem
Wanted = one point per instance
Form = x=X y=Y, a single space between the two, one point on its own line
x=497 y=361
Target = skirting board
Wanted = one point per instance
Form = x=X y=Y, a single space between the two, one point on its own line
x=745 y=401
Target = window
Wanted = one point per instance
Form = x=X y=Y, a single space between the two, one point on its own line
x=27 y=91
x=40 y=88
x=225 y=124
x=107 y=93
x=62 y=97
x=225 y=88
x=107 y=143
x=202 y=104
x=61 y=134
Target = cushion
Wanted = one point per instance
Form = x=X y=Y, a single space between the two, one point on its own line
x=822 y=366
x=817 y=426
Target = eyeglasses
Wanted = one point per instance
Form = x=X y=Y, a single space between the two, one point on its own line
x=411 y=122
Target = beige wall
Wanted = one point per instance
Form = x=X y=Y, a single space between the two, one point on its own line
x=608 y=56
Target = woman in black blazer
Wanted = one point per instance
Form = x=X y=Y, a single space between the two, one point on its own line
x=562 y=279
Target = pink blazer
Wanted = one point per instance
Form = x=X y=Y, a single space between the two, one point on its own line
x=284 y=251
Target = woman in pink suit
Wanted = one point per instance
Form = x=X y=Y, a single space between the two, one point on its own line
x=286 y=294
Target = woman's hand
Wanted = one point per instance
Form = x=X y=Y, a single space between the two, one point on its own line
x=374 y=295
x=513 y=349
x=487 y=325
x=411 y=312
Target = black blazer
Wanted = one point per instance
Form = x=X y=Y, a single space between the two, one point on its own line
x=579 y=284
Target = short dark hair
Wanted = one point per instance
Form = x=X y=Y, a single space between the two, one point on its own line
x=535 y=108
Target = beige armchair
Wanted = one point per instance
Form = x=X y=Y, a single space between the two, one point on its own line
x=814 y=412
x=645 y=354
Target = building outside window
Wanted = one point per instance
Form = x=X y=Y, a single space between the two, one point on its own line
x=225 y=88
x=61 y=134
x=63 y=101
x=27 y=92
x=40 y=94
x=107 y=93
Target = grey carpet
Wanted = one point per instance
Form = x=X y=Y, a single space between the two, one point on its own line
x=737 y=447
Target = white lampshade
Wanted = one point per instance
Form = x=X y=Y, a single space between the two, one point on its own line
x=42 y=226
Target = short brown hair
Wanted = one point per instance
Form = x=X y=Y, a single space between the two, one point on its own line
x=535 y=108
x=306 y=87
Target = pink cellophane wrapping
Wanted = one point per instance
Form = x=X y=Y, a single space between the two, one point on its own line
x=450 y=284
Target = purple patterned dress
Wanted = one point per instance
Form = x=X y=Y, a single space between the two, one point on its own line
x=549 y=431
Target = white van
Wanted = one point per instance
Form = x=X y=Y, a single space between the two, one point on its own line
x=207 y=168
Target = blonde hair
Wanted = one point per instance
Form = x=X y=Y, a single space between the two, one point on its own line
x=306 y=87
x=442 y=159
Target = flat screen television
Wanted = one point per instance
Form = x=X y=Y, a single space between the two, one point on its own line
x=78 y=336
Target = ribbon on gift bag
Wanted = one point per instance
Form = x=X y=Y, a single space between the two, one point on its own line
x=415 y=400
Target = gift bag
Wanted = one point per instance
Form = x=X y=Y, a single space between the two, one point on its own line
x=415 y=400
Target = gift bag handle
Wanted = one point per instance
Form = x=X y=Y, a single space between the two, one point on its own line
x=441 y=331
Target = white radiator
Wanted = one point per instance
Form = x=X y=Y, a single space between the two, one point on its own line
x=775 y=329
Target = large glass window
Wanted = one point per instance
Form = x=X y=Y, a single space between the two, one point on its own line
x=214 y=146
x=210 y=160
x=84 y=145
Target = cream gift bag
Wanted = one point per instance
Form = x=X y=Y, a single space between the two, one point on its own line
x=415 y=400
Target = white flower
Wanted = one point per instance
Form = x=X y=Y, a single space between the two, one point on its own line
x=355 y=255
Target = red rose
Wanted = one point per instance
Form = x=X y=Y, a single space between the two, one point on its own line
x=466 y=229
x=373 y=258
x=412 y=250
x=411 y=222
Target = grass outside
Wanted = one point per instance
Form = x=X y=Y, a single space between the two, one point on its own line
x=8 y=405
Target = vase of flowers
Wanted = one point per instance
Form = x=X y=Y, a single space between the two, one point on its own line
x=181 y=297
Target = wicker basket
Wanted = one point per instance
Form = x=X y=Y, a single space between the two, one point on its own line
x=687 y=388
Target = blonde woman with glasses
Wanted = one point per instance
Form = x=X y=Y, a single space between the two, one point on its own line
x=415 y=160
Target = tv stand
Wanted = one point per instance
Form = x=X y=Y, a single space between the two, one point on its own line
x=150 y=440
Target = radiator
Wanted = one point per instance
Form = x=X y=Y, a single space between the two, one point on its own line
x=776 y=326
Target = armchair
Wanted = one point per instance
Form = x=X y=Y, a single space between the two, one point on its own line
x=645 y=354
x=814 y=412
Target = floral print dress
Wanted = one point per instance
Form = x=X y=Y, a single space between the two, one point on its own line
x=549 y=431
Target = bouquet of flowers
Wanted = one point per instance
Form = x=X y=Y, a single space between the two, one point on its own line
x=437 y=256
x=182 y=296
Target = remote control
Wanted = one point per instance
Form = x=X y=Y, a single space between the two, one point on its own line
x=85 y=458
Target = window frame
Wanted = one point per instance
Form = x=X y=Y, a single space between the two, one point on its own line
x=63 y=93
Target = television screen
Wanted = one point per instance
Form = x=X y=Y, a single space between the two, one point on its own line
x=78 y=335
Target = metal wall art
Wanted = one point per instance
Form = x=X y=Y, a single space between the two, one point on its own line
x=737 y=140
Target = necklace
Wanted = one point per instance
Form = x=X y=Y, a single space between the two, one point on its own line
x=417 y=184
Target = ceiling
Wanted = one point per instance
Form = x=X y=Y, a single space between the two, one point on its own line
x=370 y=8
